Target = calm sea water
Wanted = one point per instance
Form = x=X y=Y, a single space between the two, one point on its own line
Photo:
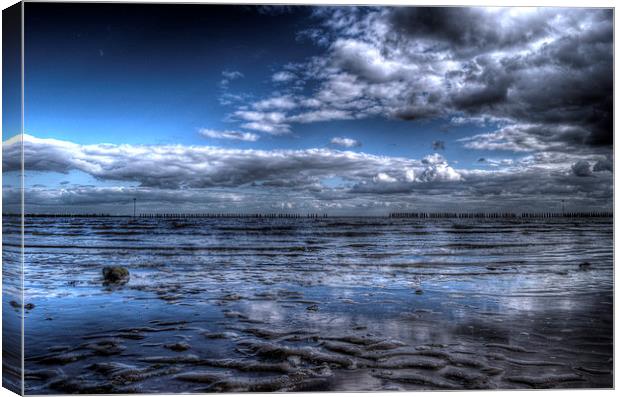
x=326 y=304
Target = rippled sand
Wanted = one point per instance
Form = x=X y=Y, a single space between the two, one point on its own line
x=325 y=304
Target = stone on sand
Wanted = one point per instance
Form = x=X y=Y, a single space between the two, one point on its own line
x=585 y=266
x=115 y=275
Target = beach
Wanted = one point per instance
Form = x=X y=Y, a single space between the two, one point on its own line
x=326 y=304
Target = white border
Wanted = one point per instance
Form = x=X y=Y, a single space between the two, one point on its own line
x=553 y=3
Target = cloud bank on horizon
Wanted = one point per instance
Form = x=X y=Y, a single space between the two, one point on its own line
x=518 y=101
x=300 y=180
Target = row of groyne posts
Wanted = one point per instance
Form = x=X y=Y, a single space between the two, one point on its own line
x=225 y=215
x=415 y=215
x=499 y=215
x=61 y=215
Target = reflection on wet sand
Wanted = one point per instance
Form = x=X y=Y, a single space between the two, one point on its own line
x=12 y=312
x=322 y=304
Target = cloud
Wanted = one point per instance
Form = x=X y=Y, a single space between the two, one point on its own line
x=177 y=166
x=604 y=165
x=531 y=137
x=496 y=163
x=438 y=145
x=364 y=59
x=438 y=170
x=320 y=115
x=115 y=200
x=271 y=122
x=382 y=177
x=211 y=178
x=488 y=192
x=582 y=168
x=273 y=129
x=415 y=63
x=434 y=169
x=228 y=76
x=234 y=135
x=284 y=102
x=503 y=28
x=283 y=77
x=232 y=74
x=228 y=98
x=434 y=158
x=345 y=142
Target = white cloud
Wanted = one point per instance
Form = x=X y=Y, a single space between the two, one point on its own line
x=174 y=166
x=281 y=102
x=234 y=135
x=269 y=128
x=383 y=177
x=345 y=142
x=228 y=76
x=366 y=60
x=283 y=77
x=310 y=103
x=440 y=172
x=496 y=162
x=232 y=74
x=437 y=169
x=434 y=158
x=269 y=122
x=409 y=175
x=320 y=115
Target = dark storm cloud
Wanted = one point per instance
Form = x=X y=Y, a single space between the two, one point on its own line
x=484 y=90
x=567 y=81
x=546 y=73
x=548 y=186
x=603 y=165
x=465 y=30
x=531 y=137
x=90 y=195
x=582 y=168
x=487 y=189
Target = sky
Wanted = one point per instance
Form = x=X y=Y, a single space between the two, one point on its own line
x=337 y=110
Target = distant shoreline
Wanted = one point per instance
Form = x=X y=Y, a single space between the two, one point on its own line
x=394 y=215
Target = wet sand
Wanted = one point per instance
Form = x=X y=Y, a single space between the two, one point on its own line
x=324 y=304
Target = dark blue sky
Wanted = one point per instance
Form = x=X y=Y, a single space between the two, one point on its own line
x=147 y=73
x=380 y=108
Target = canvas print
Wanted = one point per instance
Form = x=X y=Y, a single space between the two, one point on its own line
x=256 y=198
